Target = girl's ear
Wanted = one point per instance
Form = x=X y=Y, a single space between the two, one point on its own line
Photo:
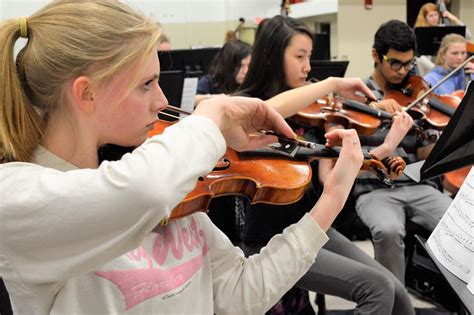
x=82 y=94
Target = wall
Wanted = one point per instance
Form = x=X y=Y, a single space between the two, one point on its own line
x=191 y=23
x=466 y=13
x=312 y=22
x=356 y=29
x=195 y=22
x=187 y=22
x=204 y=22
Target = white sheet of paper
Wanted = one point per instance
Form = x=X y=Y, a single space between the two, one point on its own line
x=470 y=285
x=189 y=94
x=452 y=241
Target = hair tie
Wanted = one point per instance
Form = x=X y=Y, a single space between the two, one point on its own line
x=23 y=27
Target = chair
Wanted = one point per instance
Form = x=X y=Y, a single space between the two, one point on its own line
x=321 y=303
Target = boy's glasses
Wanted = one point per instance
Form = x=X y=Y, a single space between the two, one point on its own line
x=396 y=64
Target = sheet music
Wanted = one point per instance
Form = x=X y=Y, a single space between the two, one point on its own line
x=452 y=241
x=470 y=285
x=189 y=94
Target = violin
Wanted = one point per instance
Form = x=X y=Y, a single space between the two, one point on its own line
x=452 y=181
x=434 y=109
x=273 y=180
x=267 y=178
x=459 y=94
x=421 y=103
x=470 y=48
x=337 y=110
x=350 y=114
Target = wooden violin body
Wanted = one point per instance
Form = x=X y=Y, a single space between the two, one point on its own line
x=272 y=180
x=263 y=180
x=435 y=109
x=452 y=181
x=312 y=115
x=333 y=111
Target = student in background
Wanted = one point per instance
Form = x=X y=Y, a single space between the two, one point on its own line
x=429 y=15
x=164 y=44
x=278 y=72
x=386 y=210
x=452 y=52
x=79 y=237
x=227 y=71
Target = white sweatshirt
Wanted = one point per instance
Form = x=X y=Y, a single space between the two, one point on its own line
x=87 y=241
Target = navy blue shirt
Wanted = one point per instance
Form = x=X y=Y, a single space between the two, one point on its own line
x=207 y=85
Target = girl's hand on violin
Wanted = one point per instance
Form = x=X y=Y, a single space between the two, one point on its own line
x=338 y=183
x=388 y=105
x=350 y=157
x=401 y=124
x=239 y=118
x=347 y=87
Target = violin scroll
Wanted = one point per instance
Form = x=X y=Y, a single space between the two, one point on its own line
x=387 y=169
x=395 y=165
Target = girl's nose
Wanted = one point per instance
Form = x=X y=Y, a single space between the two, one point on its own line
x=160 y=101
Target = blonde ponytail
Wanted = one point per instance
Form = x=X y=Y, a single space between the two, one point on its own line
x=20 y=124
x=66 y=39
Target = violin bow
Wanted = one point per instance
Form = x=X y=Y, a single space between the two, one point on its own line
x=304 y=149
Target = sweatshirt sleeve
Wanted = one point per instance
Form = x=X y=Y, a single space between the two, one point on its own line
x=56 y=224
x=258 y=282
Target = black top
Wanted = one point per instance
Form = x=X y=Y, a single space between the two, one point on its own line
x=263 y=221
x=207 y=85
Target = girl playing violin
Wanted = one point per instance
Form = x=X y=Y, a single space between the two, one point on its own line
x=452 y=53
x=280 y=62
x=77 y=237
x=227 y=71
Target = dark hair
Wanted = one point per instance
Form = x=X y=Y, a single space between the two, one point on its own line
x=396 y=35
x=226 y=62
x=266 y=76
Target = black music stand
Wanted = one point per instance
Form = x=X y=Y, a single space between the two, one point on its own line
x=322 y=69
x=429 y=38
x=454 y=149
x=171 y=83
